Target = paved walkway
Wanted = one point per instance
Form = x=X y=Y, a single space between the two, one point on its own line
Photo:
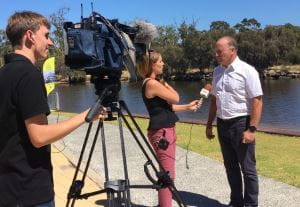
x=204 y=184
x=63 y=171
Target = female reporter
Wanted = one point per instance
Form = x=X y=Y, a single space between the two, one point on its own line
x=161 y=102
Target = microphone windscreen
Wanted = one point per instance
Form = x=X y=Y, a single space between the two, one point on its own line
x=204 y=93
x=146 y=33
x=208 y=86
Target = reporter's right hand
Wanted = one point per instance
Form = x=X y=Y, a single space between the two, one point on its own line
x=209 y=132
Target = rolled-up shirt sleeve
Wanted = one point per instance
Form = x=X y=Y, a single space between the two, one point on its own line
x=253 y=84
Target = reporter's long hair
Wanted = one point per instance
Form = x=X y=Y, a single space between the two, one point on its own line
x=144 y=66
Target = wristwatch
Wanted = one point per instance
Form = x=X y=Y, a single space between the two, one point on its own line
x=252 y=129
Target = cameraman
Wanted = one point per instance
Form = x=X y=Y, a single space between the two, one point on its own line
x=161 y=102
x=25 y=136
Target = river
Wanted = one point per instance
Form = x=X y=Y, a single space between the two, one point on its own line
x=281 y=101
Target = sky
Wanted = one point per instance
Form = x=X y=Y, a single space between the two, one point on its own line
x=166 y=12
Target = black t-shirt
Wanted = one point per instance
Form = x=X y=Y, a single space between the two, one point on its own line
x=25 y=171
x=160 y=112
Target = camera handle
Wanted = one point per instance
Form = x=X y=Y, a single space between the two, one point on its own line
x=98 y=105
x=118 y=193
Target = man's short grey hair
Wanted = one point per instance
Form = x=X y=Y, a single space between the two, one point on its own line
x=231 y=42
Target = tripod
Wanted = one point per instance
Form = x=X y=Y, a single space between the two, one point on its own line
x=118 y=191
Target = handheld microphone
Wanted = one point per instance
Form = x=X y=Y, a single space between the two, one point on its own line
x=204 y=93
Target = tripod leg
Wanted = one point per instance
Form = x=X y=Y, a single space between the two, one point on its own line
x=109 y=193
x=70 y=194
x=76 y=187
x=171 y=187
x=126 y=194
x=111 y=200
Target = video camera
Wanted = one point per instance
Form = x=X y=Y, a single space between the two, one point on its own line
x=103 y=48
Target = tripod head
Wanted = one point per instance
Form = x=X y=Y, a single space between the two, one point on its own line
x=110 y=91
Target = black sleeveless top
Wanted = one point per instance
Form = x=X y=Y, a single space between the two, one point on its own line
x=160 y=112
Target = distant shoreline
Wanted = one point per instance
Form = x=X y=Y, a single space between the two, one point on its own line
x=275 y=72
x=263 y=128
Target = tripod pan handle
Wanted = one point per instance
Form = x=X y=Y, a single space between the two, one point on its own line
x=93 y=111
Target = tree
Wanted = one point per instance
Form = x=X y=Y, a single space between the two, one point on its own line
x=168 y=44
x=219 y=25
x=189 y=41
x=247 y=25
x=4 y=46
x=251 y=48
x=57 y=19
x=219 y=29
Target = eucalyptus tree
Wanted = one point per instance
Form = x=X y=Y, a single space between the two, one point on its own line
x=247 y=25
x=57 y=19
x=4 y=46
x=189 y=41
x=168 y=44
x=251 y=47
x=289 y=43
x=282 y=44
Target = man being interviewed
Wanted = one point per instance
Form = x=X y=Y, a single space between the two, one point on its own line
x=237 y=103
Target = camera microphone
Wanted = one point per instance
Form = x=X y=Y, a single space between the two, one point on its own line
x=146 y=32
x=138 y=46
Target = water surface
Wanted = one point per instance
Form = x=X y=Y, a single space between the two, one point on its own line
x=281 y=100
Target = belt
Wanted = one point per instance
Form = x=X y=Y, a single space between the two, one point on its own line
x=233 y=119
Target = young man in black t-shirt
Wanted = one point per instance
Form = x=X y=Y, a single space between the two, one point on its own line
x=25 y=136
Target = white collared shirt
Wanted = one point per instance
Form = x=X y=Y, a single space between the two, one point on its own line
x=234 y=87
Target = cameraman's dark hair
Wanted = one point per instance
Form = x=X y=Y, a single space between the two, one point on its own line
x=144 y=65
x=20 y=22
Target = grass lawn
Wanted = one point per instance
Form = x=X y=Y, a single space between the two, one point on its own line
x=277 y=156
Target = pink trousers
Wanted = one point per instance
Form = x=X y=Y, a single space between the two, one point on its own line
x=166 y=159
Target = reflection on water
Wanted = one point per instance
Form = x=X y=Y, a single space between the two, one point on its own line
x=281 y=100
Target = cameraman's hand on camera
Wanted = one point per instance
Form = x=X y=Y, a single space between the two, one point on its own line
x=209 y=132
x=102 y=113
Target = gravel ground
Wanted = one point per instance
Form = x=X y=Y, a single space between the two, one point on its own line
x=204 y=184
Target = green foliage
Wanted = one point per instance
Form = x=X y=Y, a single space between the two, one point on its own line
x=185 y=47
x=247 y=25
x=57 y=19
x=4 y=46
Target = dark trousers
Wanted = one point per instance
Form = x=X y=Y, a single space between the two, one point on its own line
x=239 y=159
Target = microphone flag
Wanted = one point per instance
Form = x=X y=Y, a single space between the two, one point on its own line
x=49 y=74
